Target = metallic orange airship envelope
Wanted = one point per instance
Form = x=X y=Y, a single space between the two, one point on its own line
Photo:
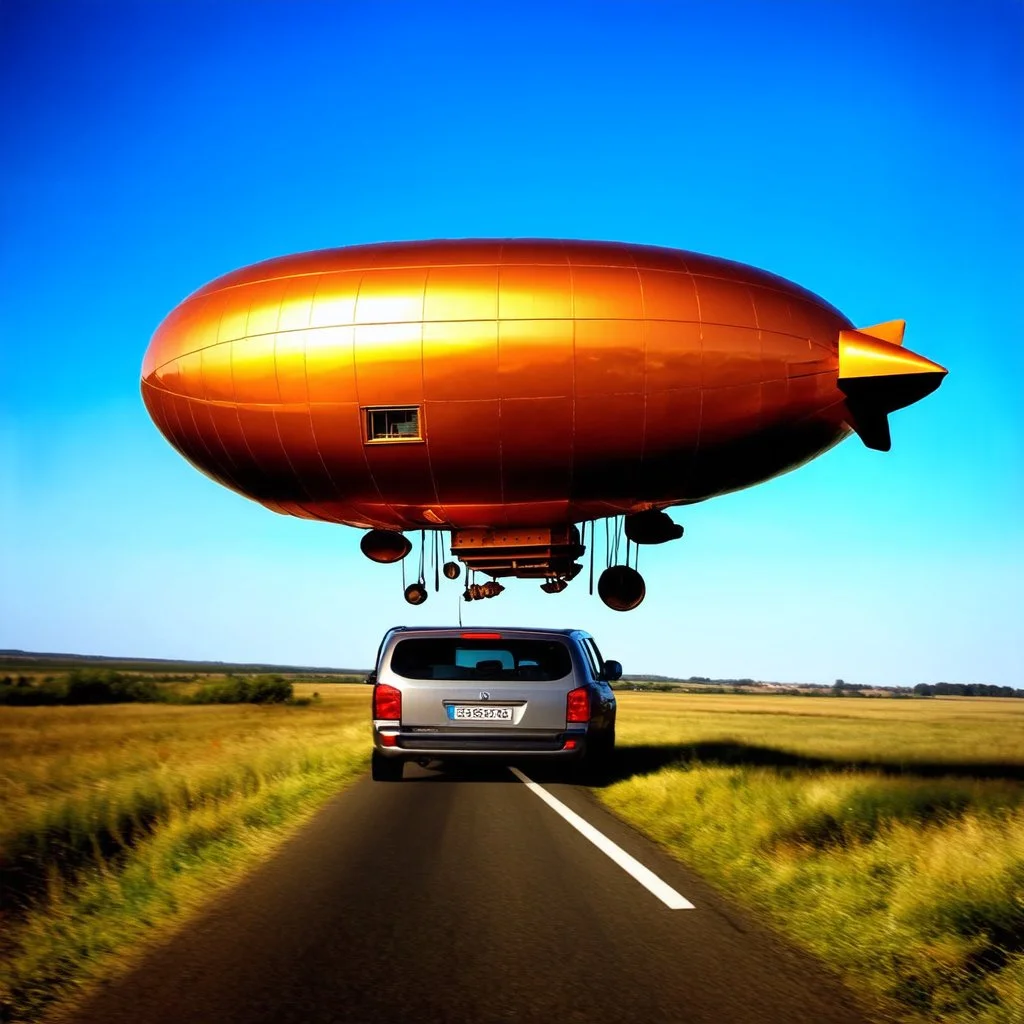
x=505 y=390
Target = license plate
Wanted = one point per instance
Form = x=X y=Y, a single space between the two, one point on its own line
x=478 y=713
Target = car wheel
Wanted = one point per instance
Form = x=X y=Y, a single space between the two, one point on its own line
x=598 y=761
x=609 y=751
x=386 y=769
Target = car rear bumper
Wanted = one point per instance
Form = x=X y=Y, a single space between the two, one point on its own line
x=407 y=743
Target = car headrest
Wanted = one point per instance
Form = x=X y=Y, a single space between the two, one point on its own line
x=485 y=667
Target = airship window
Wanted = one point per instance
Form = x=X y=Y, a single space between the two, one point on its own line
x=393 y=424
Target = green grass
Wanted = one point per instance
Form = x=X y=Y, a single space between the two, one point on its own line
x=118 y=822
x=885 y=836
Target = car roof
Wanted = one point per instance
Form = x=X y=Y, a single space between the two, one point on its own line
x=459 y=631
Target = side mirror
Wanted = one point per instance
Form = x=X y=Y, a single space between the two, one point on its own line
x=371 y=678
x=611 y=671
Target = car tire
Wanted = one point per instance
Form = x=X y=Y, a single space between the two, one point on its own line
x=608 y=743
x=597 y=764
x=386 y=769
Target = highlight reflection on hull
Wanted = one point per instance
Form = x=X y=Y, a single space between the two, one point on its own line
x=510 y=385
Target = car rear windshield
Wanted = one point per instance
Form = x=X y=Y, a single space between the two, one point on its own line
x=493 y=660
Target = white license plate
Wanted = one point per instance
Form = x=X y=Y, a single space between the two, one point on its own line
x=479 y=713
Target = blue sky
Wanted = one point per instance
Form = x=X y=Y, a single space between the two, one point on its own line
x=872 y=152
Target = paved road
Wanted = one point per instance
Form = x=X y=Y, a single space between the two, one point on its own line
x=468 y=900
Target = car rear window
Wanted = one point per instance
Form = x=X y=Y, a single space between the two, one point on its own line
x=493 y=660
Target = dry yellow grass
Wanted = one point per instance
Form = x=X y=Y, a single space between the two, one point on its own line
x=118 y=821
x=967 y=730
x=886 y=836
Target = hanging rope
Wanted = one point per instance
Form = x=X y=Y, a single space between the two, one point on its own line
x=423 y=554
x=435 y=551
x=593 y=544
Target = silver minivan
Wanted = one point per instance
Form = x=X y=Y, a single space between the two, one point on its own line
x=442 y=694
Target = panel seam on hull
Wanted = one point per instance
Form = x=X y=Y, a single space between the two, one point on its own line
x=234 y=390
x=786 y=288
x=220 y=441
x=492 y=320
x=563 y=319
x=359 y=406
x=426 y=426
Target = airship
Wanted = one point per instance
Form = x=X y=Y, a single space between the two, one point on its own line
x=511 y=393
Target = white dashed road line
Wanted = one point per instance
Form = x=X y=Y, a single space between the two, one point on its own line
x=647 y=878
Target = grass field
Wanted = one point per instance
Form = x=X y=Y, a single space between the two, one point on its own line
x=119 y=821
x=886 y=836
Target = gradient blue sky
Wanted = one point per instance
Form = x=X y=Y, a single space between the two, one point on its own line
x=872 y=152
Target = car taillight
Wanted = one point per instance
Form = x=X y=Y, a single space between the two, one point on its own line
x=387 y=701
x=577 y=705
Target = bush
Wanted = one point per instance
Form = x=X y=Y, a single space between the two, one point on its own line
x=104 y=686
x=30 y=696
x=261 y=690
x=95 y=686
x=271 y=690
x=82 y=686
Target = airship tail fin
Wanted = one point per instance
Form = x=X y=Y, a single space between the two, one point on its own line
x=891 y=331
x=879 y=376
x=870 y=425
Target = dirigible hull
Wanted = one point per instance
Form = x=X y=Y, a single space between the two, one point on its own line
x=498 y=384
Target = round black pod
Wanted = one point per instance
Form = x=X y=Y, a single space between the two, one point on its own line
x=621 y=588
x=384 y=546
x=451 y=570
x=415 y=593
x=652 y=527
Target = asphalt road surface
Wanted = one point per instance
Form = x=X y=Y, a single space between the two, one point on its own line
x=466 y=898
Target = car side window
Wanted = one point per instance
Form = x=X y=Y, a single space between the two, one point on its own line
x=380 y=651
x=593 y=659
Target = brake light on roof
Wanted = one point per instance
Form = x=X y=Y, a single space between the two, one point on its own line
x=387 y=702
x=481 y=636
x=577 y=705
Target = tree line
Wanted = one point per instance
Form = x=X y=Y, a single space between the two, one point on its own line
x=105 y=686
x=965 y=690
